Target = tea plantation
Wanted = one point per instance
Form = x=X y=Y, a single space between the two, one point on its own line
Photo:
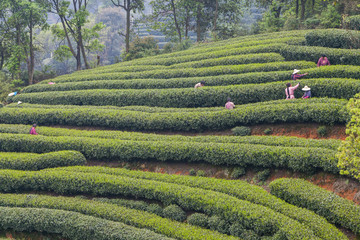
x=48 y=182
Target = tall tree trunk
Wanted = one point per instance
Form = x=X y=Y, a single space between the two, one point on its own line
x=127 y=34
x=297 y=8
x=198 y=23
x=67 y=37
x=87 y=66
x=2 y=56
x=215 y=18
x=175 y=20
x=31 y=60
x=78 y=58
x=303 y=2
x=18 y=42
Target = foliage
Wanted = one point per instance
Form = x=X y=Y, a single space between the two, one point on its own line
x=298 y=159
x=268 y=131
x=335 y=209
x=258 y=218
x=263 y=175
x=198 y=219
x=113 y=212
x=28 y=219
x=142 y=47
x=322 y=131
x=239 y=189
x=135 y=136
x=216 y=223
x=33 y=162
x=201 y=173
x=330 y=18
x=174 y=212
x=241 y=131
x=237 y=173
x=352 y=22
x=317 y=110
x=333 y=38
x=192 y=172
x=349 y=155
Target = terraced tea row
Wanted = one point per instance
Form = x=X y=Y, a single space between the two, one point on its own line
x=221 y=80
x=314 y=110
x=240 y=154
x=262 y=220
x=190 y=97
x=134 y=136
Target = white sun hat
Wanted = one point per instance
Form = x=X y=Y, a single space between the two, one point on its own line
x=306 y=88
x=296 y=71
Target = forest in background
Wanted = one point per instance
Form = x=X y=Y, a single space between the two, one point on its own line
x=40 y=39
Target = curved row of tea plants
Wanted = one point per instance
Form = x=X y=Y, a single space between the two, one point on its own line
x=33 y=161
x=190 y=72
x=135 y=218
x=134 y=136
x=295 y=158
x=190 y=97
x=71 y=225
x=239 y=189
x=325 y=203
x=316 y=110
x=262 y=220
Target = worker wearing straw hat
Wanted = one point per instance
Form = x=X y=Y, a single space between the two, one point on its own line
x=295 y=75
x=307 y=92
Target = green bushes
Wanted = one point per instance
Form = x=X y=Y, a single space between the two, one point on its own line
x=32 y=161
x=333 y=38
x=135 y=136
x=295 y=158
x=112 y=212
x=70 y=225
x=353 y=22
x=258 y=218
x=190 y=72
x=239 y=189
x=221 y=80
x=241 y=131
x=190 y=97
x=198 y=219
x=174 y=212
x=349 y=151
x=307 y=53
x=232 y=60
x=314 y=110
x=325 y=203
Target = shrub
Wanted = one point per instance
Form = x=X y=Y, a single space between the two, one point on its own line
x=139 y=205
x=241 y=131
x=322 y=131
x=333 y=38
x=249 y=235
x=307 y=53
x=297 y=159
x=335 y=209
x=349 y=151
x=239 y=189
x=201 y=173
x=33 y=162
x=327 y=111
x=353 y=22
x=62 y=222
x=283 y=141
x=174 y=212
x=155 y=208
x=263 y=175
x=192 y=172
x=198 y=219
x=268 y=131
x=191 y=72
x=142 y=47
x=238 y=172
x=193 y=98
x=112 y=212
x=216 y=223
x=253 y=216
x=236 y=229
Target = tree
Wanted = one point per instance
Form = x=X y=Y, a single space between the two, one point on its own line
x=73 y=18
x=129 y=6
